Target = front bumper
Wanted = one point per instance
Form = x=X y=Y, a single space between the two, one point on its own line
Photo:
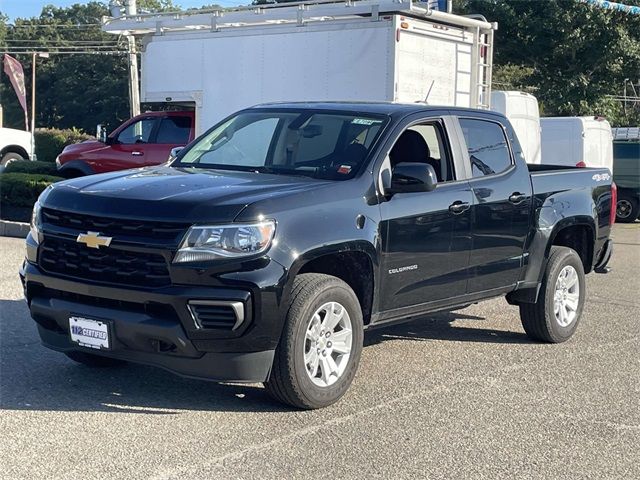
x=155 y=326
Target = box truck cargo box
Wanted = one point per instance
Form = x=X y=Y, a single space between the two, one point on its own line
x=399 y=51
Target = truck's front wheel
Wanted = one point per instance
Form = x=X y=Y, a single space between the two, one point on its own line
x=319 y=351
x=555 y=316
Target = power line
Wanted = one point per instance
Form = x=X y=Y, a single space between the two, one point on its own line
x=54 y=25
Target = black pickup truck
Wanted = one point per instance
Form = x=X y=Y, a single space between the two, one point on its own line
x=263 y=251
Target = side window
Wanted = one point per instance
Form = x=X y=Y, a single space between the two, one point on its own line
x=487 y=146
x=137 y=132
x=424 y=143
x=174 y=131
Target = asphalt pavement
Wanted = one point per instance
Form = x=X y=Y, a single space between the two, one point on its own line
x=452 y=395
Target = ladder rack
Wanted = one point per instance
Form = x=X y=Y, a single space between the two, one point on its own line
x=299 y=13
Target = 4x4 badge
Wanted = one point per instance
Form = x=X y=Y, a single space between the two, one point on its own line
x=93 y=240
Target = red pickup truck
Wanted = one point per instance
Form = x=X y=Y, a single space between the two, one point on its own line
x=146 y=139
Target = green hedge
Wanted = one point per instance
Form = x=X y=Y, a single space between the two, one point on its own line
x=23 y=189
x=43 y=168
x=51 y=141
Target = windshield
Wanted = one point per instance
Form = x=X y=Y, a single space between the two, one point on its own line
x=317 y=144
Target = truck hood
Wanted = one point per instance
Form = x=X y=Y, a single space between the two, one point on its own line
x=84 y=147
x=172 y=194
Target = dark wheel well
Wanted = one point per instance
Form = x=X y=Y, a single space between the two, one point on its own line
x=15 y=149
x=580 y=239
x=72 y=173
x=353 y=268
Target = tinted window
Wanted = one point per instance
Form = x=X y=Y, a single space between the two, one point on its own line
x=487 y=146
x=137 y=132
x=174 y=130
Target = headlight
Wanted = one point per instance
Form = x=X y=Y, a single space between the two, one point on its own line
x=225 y=241
x=35 y=222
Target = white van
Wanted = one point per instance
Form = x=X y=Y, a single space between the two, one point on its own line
x=522 y=111
x=577 y=141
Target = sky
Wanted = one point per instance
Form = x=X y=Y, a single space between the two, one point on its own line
x=32 y=8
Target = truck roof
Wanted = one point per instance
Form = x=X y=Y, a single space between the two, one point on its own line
x=380 y=108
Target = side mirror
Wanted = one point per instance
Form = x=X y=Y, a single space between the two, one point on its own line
x=174 y=153
x=101 y=133
x=413 y=177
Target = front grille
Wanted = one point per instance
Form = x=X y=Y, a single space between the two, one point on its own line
x=113 y=227
x=217 y=315
x=110 y=265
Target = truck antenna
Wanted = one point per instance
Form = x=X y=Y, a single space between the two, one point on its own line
x=426 y=99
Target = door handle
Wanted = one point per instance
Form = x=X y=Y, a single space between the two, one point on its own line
x=458 y=207
x=517 y=197
x=137 y=153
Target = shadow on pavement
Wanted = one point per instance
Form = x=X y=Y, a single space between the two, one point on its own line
x=438 y=326
x=35 y=378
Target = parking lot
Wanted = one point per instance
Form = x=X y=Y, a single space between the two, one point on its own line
x=457 y=395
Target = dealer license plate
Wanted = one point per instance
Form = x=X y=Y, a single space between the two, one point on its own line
x=88 y=332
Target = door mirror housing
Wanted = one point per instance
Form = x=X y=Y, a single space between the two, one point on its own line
x=174 y=153
x=413 y=177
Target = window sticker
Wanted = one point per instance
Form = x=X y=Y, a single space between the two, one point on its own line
x=365 y=121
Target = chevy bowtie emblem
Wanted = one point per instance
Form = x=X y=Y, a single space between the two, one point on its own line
x=93 y=240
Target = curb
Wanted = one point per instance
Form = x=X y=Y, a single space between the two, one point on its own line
x=13 y=229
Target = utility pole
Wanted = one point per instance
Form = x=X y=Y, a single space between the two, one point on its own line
x=34 y=55
x=130 y=9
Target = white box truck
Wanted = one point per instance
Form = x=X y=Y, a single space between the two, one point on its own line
x=373 y=50
x=522 y=111
x=577 y=141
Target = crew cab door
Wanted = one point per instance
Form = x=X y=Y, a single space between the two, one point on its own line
x=425 y=235
x=500 y=216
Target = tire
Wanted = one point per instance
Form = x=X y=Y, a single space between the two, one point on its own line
x=540 y=320
x=9 y=157
x=95 y=361
x=627 y=209
x=292 y=380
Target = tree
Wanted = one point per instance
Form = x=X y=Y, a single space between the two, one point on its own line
x=571 y=55
x=85 y=82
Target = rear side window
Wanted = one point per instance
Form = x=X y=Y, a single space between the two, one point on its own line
x=174 y=130
x=487 y=146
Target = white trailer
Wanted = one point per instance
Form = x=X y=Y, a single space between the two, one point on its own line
x=371 y=50
x=577 y=141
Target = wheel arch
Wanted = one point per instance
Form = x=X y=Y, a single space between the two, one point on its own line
x=354 y=263
x=15 y=149
x=67 y=168
x=576 y=232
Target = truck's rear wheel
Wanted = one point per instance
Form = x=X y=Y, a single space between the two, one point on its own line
x=320 y=347
x=555 y=316
x=627 y=209
x=93 y=360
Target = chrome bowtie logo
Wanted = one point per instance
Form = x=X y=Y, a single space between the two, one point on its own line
x=93 y=240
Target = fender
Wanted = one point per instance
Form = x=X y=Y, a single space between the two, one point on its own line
x=557 y=212
x=354 y=246
x=79 y=165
